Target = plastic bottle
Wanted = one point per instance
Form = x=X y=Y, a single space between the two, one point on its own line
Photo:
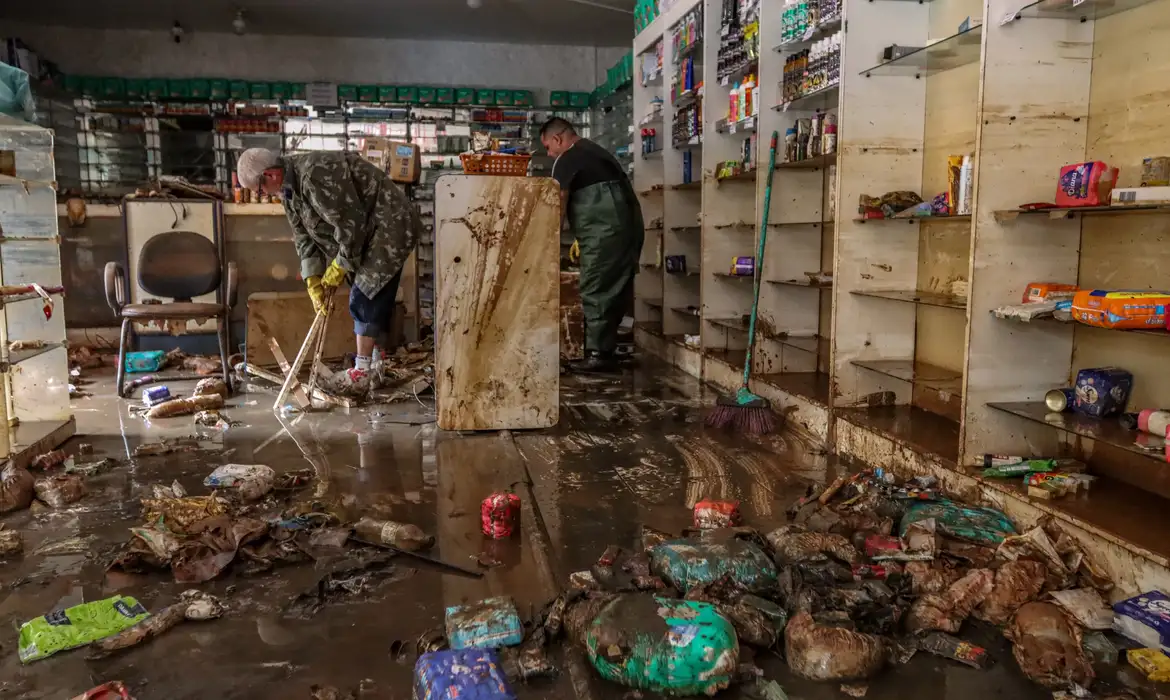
x=401 y=535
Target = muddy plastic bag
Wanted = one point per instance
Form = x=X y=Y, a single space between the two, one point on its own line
x=211 y=385
x=179 y=514
x=58 y=491
x=947 y=611
x=462 y=673
x=77 y=626
x=1048 y=647
x=930 y=577
x=831 y=653
x=488 y=624
x=1086 y=606
x=752 y=625
x=981 y=525
x=16 y=489
x=688 y=563
x=1016 y=583
x=249 y=481
x=114 y=690
x=674 y=647
x=10 y=542
x=793 y=544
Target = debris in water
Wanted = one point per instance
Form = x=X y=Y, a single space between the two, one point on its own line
x=49 y=460
x=488 y=624
x=1048 y=647
x=77 y=626
x=114 y=690
x=16 y=488
x=147 y=629
x=249 y=482
x=855 y=690
x=211 y=385
x=499 y=513
x=401 y=535
x=58 y=491
x=943 y=644
x=10 y=542
x=709 y=515
x=185 y=406
x=90 y=469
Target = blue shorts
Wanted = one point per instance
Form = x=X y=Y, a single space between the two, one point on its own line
x=374 y=317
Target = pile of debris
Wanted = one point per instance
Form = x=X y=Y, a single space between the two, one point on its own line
x=865 y=575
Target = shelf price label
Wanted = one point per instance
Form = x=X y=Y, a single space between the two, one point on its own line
x=731 y=127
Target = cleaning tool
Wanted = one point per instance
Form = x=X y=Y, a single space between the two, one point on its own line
x=745 y=411
x=313 y=345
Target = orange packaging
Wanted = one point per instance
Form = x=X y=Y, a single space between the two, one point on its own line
x=1047 y=291
x=1120 y=310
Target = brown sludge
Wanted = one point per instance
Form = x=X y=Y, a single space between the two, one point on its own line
x=57 y=491
x=947 y=611
x=16 y=488
x=151 y=627
x=1016 y=583
x=185 y=406
x=10 y=543
x=831 y=653
x=1048 y=647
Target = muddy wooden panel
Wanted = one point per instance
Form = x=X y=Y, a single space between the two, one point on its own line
x=880 y=144
x=287 y=317
x=1034 y=103
x=497 y=308
x=801 y=415
x=266 y=260
x=84 y=253
x=940 y=334
x=572 y=317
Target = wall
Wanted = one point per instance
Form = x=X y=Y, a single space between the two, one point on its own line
x=141 y=53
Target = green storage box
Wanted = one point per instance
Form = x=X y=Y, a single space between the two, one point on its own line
x=135 y=87
x=578 y=99
x=485 y=97
x=201 y=89
x=178 y=89
x=522 y=98
x=297 y=91
x=445 y=96
x=367 y=93
x=72 y=84
x=347 y=93
x=113 y=88
x=91 y=86
x=238 y=90
x=464 y=96
x=387 y=93
x=219 y=88
x=426 y=96
x=504 y=98
x=156 y=88
x=282 y=91
x=408 y=94
x=558 y=98
x=260 y=91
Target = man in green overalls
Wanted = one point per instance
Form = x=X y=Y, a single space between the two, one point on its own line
x=604 y=215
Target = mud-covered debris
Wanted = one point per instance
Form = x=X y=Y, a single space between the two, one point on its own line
x=651 y=538
x=823 y=653
x=395 y=534
x=793 y=544
x=359 y=574
x=195 y=552
x=48 y=460
x=855 y=690
x=931 y=577
x=16 y=488
x=211 y=385
x=202 y=365
x=114 y=690
x=332 y=537
x=969 y=523
x=10 y=542
x=1101 y=652
x=946 y=646
x=947 y=611
x=213 y=419
x=248 y=482
x=526 y=663
x=709 y=515
x=299 y=478
x=90 y=469
x=153 y=626
x=165 y=447
x=201 y=606
x=59 y=491
x=84 y=357
x=486 y=624
x=185 y=406
x=179 y=514
x=692 y=562
x=584 y=581
x=752 y=626
x=173 y=490
x=1047 y=646
x=1016 y=583
x=1086 y=606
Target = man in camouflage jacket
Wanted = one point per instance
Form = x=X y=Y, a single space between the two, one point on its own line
x=350 y=221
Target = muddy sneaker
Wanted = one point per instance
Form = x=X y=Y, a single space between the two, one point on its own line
x=356 y=381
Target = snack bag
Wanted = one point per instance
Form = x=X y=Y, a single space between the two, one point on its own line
x=1037 y=292
x=1085 y=184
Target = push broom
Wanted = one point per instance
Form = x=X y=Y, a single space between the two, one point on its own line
x=746 y=412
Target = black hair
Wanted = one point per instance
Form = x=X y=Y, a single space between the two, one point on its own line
x=556 y=125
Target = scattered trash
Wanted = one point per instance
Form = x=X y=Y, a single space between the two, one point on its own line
x=1153 y=663
x=488 y=624
x=84 y=357
x=77 y=626
x=10 y=542
x=946 y=646
x=58 y=491
x=854 y=690
x=1086 y=606
x=201 y=606
x=154 y=449
x=947 y=611
x=690 y=562
x=499 y=513
x=1048 y=648
x=90 y=469
x=202 y=365
x=821 y=653
x=1102 y=653
x=49 y=460
x=175 y=490
x=250 y=482
x=1016 y=583
x=355 y=575
x=180 y=513
x=213 y=419
x=211 y=385
x=334 y=537
x=185 y=406
x=401 y=535
x=114 y=690
x=16 y=488
x=676 y=647
x=156 y=395
x=147 y=629
x=983 y=525
x=710 y=515
x=461 y=673
x=793 y=544
x=1144 y=618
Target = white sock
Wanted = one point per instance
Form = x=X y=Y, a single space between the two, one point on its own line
x=362 y=362
x=377 y=356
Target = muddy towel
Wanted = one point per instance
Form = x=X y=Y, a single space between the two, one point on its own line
x=674 y=647
x=831 y=653
x=982 y=525
x=689 y=563
x=468 y=674
x=488 y=624
x=77 y=626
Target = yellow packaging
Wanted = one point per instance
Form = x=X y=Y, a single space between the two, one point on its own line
x=954 y=168
x=1152 y=662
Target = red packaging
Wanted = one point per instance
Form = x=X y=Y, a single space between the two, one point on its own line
x=714 y=514
x=878 y=571
x=1085 y=184
x=499 y=513
x=881 y=544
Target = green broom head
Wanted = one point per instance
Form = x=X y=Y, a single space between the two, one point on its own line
x=744 y=398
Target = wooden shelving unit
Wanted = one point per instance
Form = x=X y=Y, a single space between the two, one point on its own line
x=893 y=355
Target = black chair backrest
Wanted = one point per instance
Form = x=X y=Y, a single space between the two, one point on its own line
x=179 y=265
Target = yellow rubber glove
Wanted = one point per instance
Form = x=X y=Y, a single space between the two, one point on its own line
x=316 y=293
x=575 y=252
x=334 y=275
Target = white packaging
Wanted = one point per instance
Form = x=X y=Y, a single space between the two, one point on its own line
x=1127 y=196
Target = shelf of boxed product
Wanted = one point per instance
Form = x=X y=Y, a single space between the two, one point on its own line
x=812 y=33
x=947 y=301
x=960 y=49
x=823 y=97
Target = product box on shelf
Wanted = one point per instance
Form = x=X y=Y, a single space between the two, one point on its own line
x=260 y=91
x=387 y=93
x=156 y=88
x=504 y=98
x=1126 y=196
x=445 y=96
x=1085 y=184
x=485 y=96
x=135 y=88
x=113 y=88
x=558 y=98
x=1133 y=310
x=238 y=89
x=1102 y=391
x=347 y=93
x=426 y=96
x=579 y=99
x=367 y=93
x=298 y=90
x=281 y=91
x=522 y=98
x=464 y=96
x=218 y=87
x=178 y=88
x=408 y=94
x=200 y=89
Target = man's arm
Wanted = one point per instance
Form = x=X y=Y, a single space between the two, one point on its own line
x=312 y=260
x=332 y=195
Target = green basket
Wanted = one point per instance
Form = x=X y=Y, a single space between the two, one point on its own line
x=219 y=88
x=464 y=96
x=72 y=84
x=504 y=98
x=297 y=90
x=347 y=93
x=156 y=88
x=445 y=96
x=135 y=87
x=408 y=94
x=485 y=97
x=522 y=98
x=178 y=89
x=426 y=96
x=282 y=91
x=200 y=89
x=579 y=99
x=558 y=98
x=238 y=89
x=113 y=88
x=91 y=86
x=260 y=91
x=387 y=93
x=367 y=93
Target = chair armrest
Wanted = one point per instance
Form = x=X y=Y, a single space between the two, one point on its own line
x=115 y=278
x=232 y=288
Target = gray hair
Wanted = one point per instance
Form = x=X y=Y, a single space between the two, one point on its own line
x=252 y=164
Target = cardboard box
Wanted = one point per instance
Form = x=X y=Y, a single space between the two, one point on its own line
x=399 y=159
x=1126 y=196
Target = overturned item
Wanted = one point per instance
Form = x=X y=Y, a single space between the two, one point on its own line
x=211 y=385
x=675 y=647
x=16 y=488
x=185 y=406
x=248 y=481
x=822 y=653
x=1048 y=647
x=488 y=624
x=404 y=536
x=710 y=515
x=145 y=630
x=61 y=490
x=77 y=626
x=461 y=673
x=946 y=612
x=688 y=563
x=114 y=690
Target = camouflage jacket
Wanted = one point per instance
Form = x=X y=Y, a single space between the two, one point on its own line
x=342 y=207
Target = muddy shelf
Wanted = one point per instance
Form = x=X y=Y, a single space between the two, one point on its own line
x=1083 y=11
x=813 y=386
x=802 y=283
x=686 y=310
x=915 y=219
x=685 y=229
x=918 y=373
x=745 y=176
x=815 y=344
x=922 y=430
x=653 y=303
x=733 y=324
x=651 y=327
x=1005 y=215
x=1107 y=431
x=732 y=358
x=1049 y=322
x=947 y=301
x=687 y=186
x=728 y=275
x=809 y=163
x=15 y=357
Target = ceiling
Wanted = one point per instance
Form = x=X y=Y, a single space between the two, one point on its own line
x=514 y=21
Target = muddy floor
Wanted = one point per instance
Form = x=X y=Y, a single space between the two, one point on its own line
x=628 y=451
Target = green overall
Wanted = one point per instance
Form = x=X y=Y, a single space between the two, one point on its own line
x=607 y=221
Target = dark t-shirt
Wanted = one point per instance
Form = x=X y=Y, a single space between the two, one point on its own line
x=585 y=164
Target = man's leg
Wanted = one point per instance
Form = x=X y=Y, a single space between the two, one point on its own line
x=370 y=318
x=604 y=280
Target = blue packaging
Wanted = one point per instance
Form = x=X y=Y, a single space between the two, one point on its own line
x=488 y=624
x=145 y=360
x=676 y=264
x=1145 y=618
x=155 y=395
x=696 y=562
x=1102 y=391
x=466 y=674
x=686 y=173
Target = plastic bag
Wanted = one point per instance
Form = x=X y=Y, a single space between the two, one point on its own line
x=675 y=647
x=16 y=98
x=185 y=406
x=78 y=626
x=488 y=624
x=249 y=481
x=58 y=491
x=983 y=525
x=1144 y=618
x=831 y=653
x=16 y=488
x=461 y=673
x=10 y=542
x=947 y=611
x=211 y=385
x=793 y=544
x=1048 y=647
x=689 y=563
x=1016 y=583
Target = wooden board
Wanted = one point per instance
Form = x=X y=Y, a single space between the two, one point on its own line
x=287 y=316
x=572 y=317
x=497 y=307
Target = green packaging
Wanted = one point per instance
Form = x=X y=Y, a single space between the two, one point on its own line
x=347 y=93
x=426 y=96
x=113 y=88
x=387 y=93
x=504 y=98
x=464 y=96
x=135 y=88
x=200 y=88
x=367 y=93
x=73 y=84
x=156 y=88
x=522 y=98
x=407 y=94
x=91 y=86
x=485 y=97
x=445 y=96
x=298 y=90
x=77 y=626
x=578 y=99
x=282 y=91
x=219 y=89
x=178 y=88
x=1021 y=468
x=558 y=98
x=260 y=91
x=238 y=89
